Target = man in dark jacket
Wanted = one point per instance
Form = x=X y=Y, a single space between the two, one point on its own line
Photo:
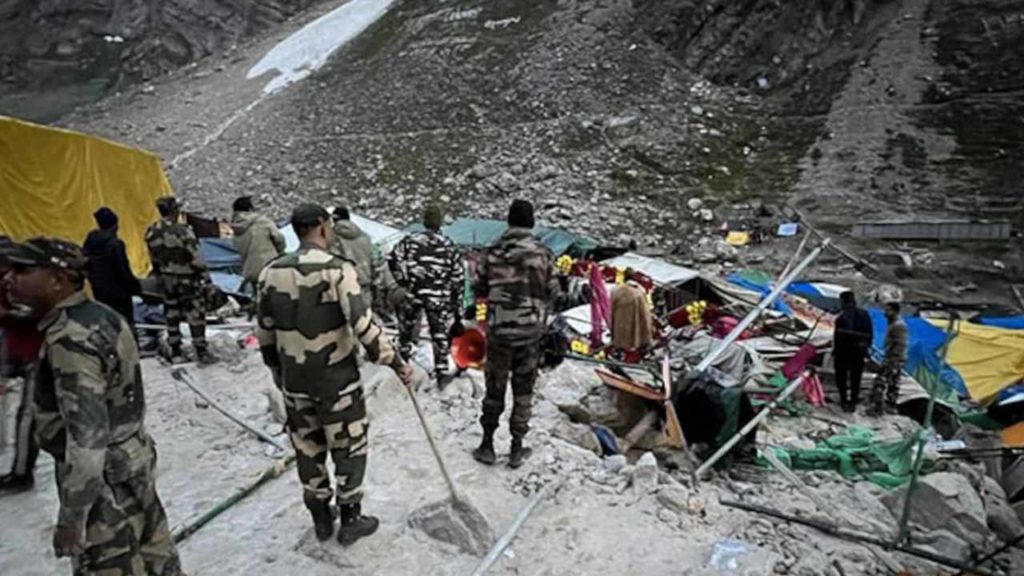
x=110 y=274
x=852 y=341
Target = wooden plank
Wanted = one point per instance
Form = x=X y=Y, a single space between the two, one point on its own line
x=629 y=387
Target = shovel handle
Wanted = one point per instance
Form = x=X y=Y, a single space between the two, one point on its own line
x=433 y=444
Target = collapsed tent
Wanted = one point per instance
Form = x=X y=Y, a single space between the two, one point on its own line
x=226 y=263
x=476 y=233
x=989 y=359
x=923 y=360
x=53 y=180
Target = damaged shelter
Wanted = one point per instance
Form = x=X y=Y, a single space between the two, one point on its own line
x=723 y=351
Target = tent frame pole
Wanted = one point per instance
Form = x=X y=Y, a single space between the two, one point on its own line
x=903 y=535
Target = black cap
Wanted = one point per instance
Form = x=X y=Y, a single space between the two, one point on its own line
x=105 y=218
x=242 y=204
x=309 y=215
x=49 y=253
x=520 y=214
x=167 y=206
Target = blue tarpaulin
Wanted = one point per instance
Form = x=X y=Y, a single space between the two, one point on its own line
x=1009 y=322
x=220 y=254
x=479 y=233
x=762 y=284
x=924 y=345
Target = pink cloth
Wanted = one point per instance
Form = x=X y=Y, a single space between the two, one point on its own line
x=811 y=385
x=600 y=307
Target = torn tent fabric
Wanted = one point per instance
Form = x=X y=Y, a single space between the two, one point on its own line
x=855 y=455
x=988 y=358
x=923 y=363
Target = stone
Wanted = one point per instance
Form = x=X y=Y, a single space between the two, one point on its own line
x=578 y=434
x=669 y=517
x=707 y=215
x=999 y=514
x=614 y=463
x=674 y=497
x=725 y=251
x=944 y=543
x=225 y=348
x=645 y=474
x=944 y=501
x=694 y=204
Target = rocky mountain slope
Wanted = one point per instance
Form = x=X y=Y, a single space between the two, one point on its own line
x=56 y=54
x=610 y=114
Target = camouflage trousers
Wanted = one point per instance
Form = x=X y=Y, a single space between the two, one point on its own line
x=337 y=426
x=522 y=362
x=184 y=302
x=886 y=387
x=127 y=533
x=439 y=319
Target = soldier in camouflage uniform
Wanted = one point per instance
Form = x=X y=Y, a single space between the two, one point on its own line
x=89 y=416
x=312 y=317
x=885 y=392
x=174 y=252
x=428 y=267
x=517 y=277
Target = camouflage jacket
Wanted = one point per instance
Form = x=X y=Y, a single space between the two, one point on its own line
x=353 y=244
x=89 y=404
x=517 y=277
x=895 y=343
x=429 y=266
x=311 y=318
x=174 y=249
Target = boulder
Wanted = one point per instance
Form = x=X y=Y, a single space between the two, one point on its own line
x=944 y=501
x=578 y=434
x=645 y=474
x=1001 y=517
x=674 y=497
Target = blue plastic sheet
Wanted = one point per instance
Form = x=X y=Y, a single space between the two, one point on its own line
x=1009 y=322
x=924 y=344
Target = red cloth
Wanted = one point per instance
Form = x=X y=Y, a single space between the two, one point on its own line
x=813 y=391
x=21 y=340
x=796 y=364
x=600 y=308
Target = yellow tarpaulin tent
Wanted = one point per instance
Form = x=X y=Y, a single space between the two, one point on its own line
x=52 y=180
x=988 y=358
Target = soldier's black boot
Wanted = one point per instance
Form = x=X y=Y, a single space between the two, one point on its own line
x=484 y=454
x=519 y=453
x=204 y=358
x=323 y=520
x=354 y=525
x=16 y=483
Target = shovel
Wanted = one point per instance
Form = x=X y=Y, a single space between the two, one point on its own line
x=454 y=520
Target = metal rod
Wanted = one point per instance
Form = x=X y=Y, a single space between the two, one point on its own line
x=433 y=444
x=724 y=344
x=903 y=535
x=271 y=473
x=792 y=259
x=1006 y=546
x=858 y=537
x=500 y=546
x=746 y=429
x=184 y=376
x=824 y=506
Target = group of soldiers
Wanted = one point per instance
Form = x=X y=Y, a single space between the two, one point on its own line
x=315 y=314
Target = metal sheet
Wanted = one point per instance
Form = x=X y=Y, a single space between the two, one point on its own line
x=658 y=270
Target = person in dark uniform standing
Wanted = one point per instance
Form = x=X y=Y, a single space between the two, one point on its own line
x=850 y=347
